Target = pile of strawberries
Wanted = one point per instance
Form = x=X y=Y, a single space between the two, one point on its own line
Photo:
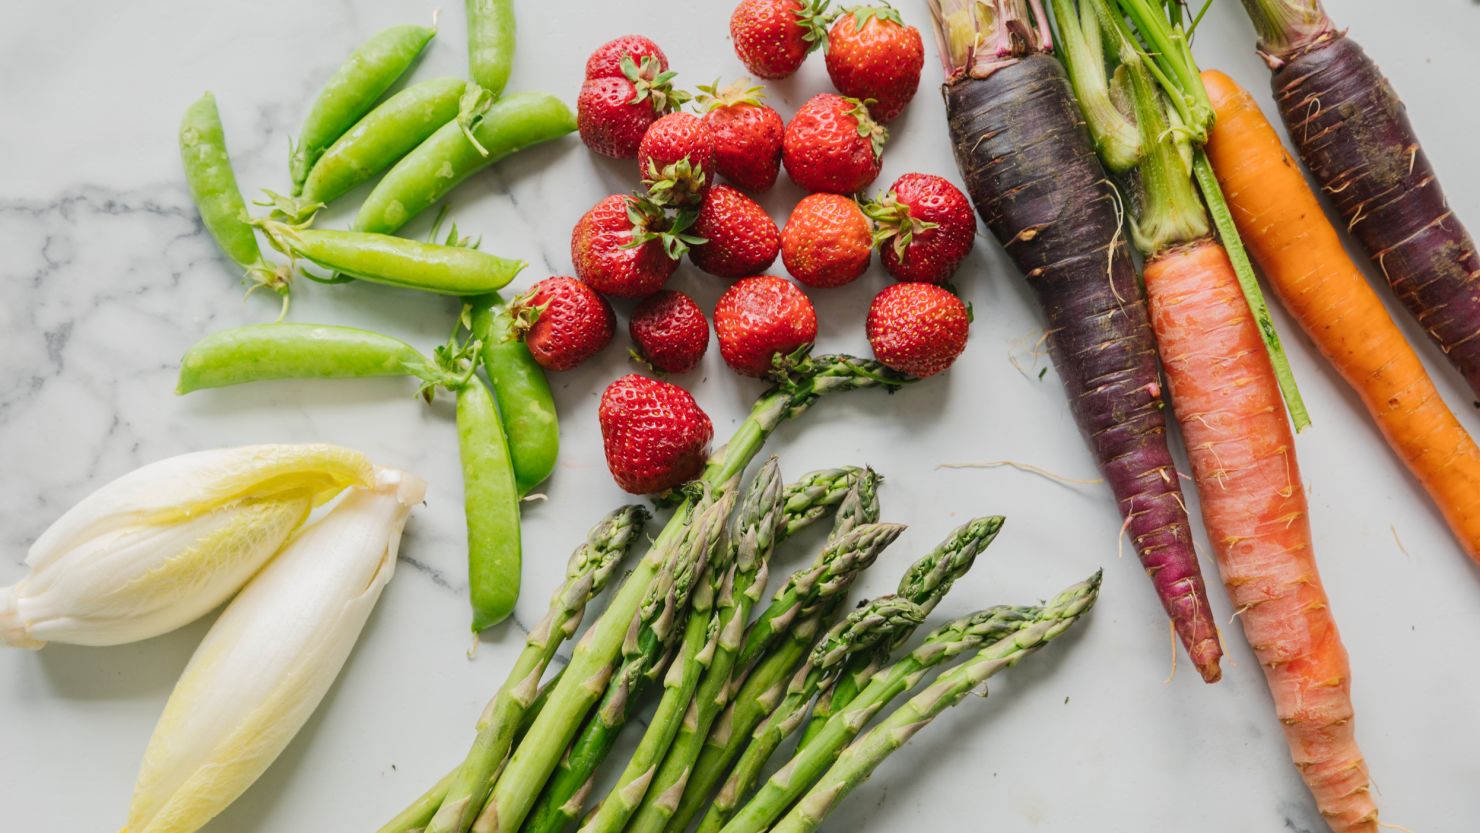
x=628 y=246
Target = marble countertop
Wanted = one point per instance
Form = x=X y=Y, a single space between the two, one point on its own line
x=107 y=276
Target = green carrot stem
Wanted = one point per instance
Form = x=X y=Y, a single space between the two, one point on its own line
x=1080 y=40
x=1249 y=283
x=1288 y=26
x=1168 y=42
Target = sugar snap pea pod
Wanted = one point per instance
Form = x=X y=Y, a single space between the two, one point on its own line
x=259 y=352
x=384 y=135
x=352 y=90
x=490 y=43
x=491 y=503
x=217 y=197
x=449 y=156
x=395 y=261
x=523 y=394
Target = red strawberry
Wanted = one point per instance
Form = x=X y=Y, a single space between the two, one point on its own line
x=676 y=159
x=917 y=328
x=925 y=228
x=740 y=237
x=613 y=112
x=670 y=331
x=606 y=61
x=773 y=37
x=563 y=322
x=760 y=319
x=873 y=56
x=827 y=241
x=747 y=135
x=833 y=145
x=626 y=247
x=656 y=436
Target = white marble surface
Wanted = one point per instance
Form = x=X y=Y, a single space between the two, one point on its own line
x=108 y=277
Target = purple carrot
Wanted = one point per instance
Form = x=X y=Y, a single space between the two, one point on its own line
x=1353 y=133
x=1028 y=163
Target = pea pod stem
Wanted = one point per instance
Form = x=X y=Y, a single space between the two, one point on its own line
x=394 y=261
x=352 y=90
x=217 y=197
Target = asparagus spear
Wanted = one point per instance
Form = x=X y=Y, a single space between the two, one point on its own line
x=854 y=765
x=925 y=583
x=590 y=567
x=806 y=379
x=819 y=579
x=760 y=689
x=809 y=499
x=858 y=505
x=878 y=623
x=988 y=627
x=649 y=644
x=419 y=812
x=761 y=511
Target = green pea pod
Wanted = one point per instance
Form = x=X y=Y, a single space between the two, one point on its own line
x=383 y=136
x=491 y=503
x=217 y=197
x=447 y=157
x=352 y=90
x=490 y=43
x=395 y=261
x=523 y=394
x=259 y=352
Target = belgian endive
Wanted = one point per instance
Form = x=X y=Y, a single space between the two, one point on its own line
x=269 y=659
x=166 y=543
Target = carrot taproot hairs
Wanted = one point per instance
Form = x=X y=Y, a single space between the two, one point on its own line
x=1301 y=255
x=1253 y=505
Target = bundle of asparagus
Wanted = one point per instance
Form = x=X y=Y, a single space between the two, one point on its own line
x=730 y=689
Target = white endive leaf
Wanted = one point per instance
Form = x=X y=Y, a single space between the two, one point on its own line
x=269 y=659
x=162 y=545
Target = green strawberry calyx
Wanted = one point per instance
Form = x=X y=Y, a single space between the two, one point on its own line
x=712 y=97
x=869 y=129
x=893 y=221
x=814 y=18
x=650 y=221
x=653 y=85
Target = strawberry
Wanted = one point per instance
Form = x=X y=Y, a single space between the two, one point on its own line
x=917 y=328
x=669 y=331
x=832 y=144
x=655 y=435
x=563 y=322
x=925 y=228
x=747 y=135
x=676 y=159
x=827 y=241
x=606 y=61
x=626 y=247
x=872 y=55
x=613 y=112
x=773 y=37
x=760 y=321
x=740 y=237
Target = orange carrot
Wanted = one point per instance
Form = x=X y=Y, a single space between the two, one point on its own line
x=1301 y=255
x=1226 y=399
